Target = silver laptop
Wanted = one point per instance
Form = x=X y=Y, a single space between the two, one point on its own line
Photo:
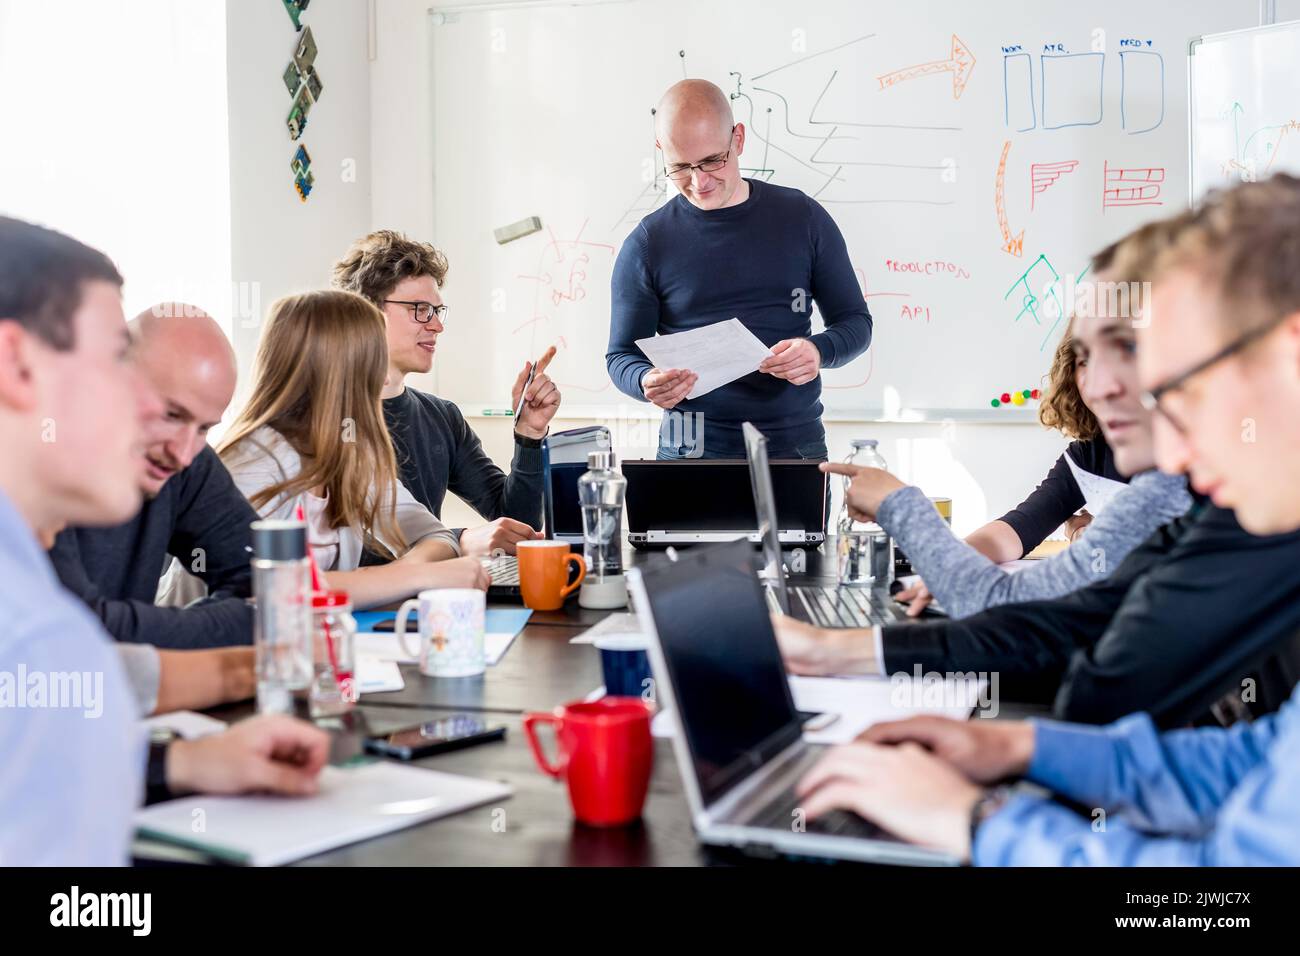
x=564 y=459
x=823 y=605
x=738 y=737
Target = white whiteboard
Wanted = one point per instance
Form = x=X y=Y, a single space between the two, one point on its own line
x=546 y=111
x=1245 y=106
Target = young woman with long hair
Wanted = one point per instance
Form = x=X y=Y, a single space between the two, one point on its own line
x=312 y=433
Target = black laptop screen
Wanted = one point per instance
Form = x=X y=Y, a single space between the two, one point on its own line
x=732 y=695
x=566 y=508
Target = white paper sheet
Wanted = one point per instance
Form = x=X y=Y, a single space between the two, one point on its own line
x=861 y=702
x=495 y=645
x=617 y=623
x=377 y=676
x=717 y=353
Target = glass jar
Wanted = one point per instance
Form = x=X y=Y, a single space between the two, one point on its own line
x=334 y=631
x=866 y=557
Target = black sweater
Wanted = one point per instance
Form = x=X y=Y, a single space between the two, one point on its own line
x=1184 y=618
x=1058 y=496
x=200 y=518
x=438 y=452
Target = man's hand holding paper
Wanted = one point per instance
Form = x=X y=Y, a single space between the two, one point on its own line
x=693 y=363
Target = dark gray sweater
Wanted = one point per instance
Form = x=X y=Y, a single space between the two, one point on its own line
x=438 y=452
x=200 y=518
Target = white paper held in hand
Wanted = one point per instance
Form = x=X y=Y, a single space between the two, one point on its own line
x=717 y=353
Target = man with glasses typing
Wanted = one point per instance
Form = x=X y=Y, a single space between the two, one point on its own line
x=436 y=449
x=726 y=247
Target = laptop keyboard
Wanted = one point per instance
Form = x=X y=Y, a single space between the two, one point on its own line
x=839 y=607
x=504 y=570
x=780 y=815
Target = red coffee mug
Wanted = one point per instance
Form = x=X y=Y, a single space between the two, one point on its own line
x=605 y=754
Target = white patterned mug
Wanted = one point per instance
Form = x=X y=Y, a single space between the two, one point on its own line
x=450 y=634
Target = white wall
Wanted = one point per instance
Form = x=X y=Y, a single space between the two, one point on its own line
x=280 y=244
x=115 y=112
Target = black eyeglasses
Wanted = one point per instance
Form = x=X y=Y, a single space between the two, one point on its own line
x=421 y=312
x=1151 y=400
x=681 y=173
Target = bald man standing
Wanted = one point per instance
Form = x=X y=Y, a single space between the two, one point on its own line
x=728 y=247
x=192 y=509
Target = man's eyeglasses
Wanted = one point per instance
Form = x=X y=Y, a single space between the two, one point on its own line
x=421 y=312
x=1152 y=399
x=682 y=172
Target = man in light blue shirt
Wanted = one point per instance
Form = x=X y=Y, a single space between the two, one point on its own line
x=71 y=411
x=1219 y=357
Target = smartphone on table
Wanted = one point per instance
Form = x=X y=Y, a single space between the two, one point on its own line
x=436 y=736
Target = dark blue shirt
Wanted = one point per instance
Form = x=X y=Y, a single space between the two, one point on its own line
x=764 y=261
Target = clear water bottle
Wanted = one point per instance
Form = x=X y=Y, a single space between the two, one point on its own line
x=866 y=557
x=601 y=490
x=282 y=622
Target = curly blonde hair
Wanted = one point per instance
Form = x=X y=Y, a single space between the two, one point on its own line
x=1062 y=406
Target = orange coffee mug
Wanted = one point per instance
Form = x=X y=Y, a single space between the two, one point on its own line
x=544 y=572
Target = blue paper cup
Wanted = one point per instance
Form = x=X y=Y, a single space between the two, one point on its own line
x=625 y=664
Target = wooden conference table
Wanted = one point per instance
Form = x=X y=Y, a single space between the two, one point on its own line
x=540 y=671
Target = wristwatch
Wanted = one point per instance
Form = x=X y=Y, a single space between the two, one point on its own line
x=989 y=803
x=155 y=780
x=528 y=442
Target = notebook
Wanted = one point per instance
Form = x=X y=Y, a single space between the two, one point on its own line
x=354 y=803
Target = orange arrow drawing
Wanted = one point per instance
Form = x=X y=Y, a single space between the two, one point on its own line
x=960 y=64
x=1015 y=245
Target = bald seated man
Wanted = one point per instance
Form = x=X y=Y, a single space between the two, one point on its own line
x=725 y=247
x=192 y=509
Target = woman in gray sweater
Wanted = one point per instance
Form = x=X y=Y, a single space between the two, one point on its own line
x=1105 y=374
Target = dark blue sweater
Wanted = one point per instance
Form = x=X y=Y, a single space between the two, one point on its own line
x=683 y=267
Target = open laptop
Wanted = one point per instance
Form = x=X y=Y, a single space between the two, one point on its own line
x=823 y=605
x=703 y=501
x=564 y=460
x=738 y=737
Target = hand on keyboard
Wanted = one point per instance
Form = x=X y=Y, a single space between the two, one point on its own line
x=495 y=537
x=821 y=651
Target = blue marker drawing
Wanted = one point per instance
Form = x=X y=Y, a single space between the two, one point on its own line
x=1050 y=299
x=1144 y=57
x=1073 y=72
x=1029 y=302
x=1006 y=91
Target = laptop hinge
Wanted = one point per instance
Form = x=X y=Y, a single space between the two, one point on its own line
x=711 y=537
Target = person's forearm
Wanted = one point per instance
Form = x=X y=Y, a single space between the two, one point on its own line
x=212 y=624
x=380 y=584
x=194 y=680
x=961 y=578
x=524 y=487
x=997 y=541
x=427 y=550
x=1027 y=648
x=496 y=494
x=1174 y=782
x=845 y=338
x=1033 y=831
x=626 y=369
